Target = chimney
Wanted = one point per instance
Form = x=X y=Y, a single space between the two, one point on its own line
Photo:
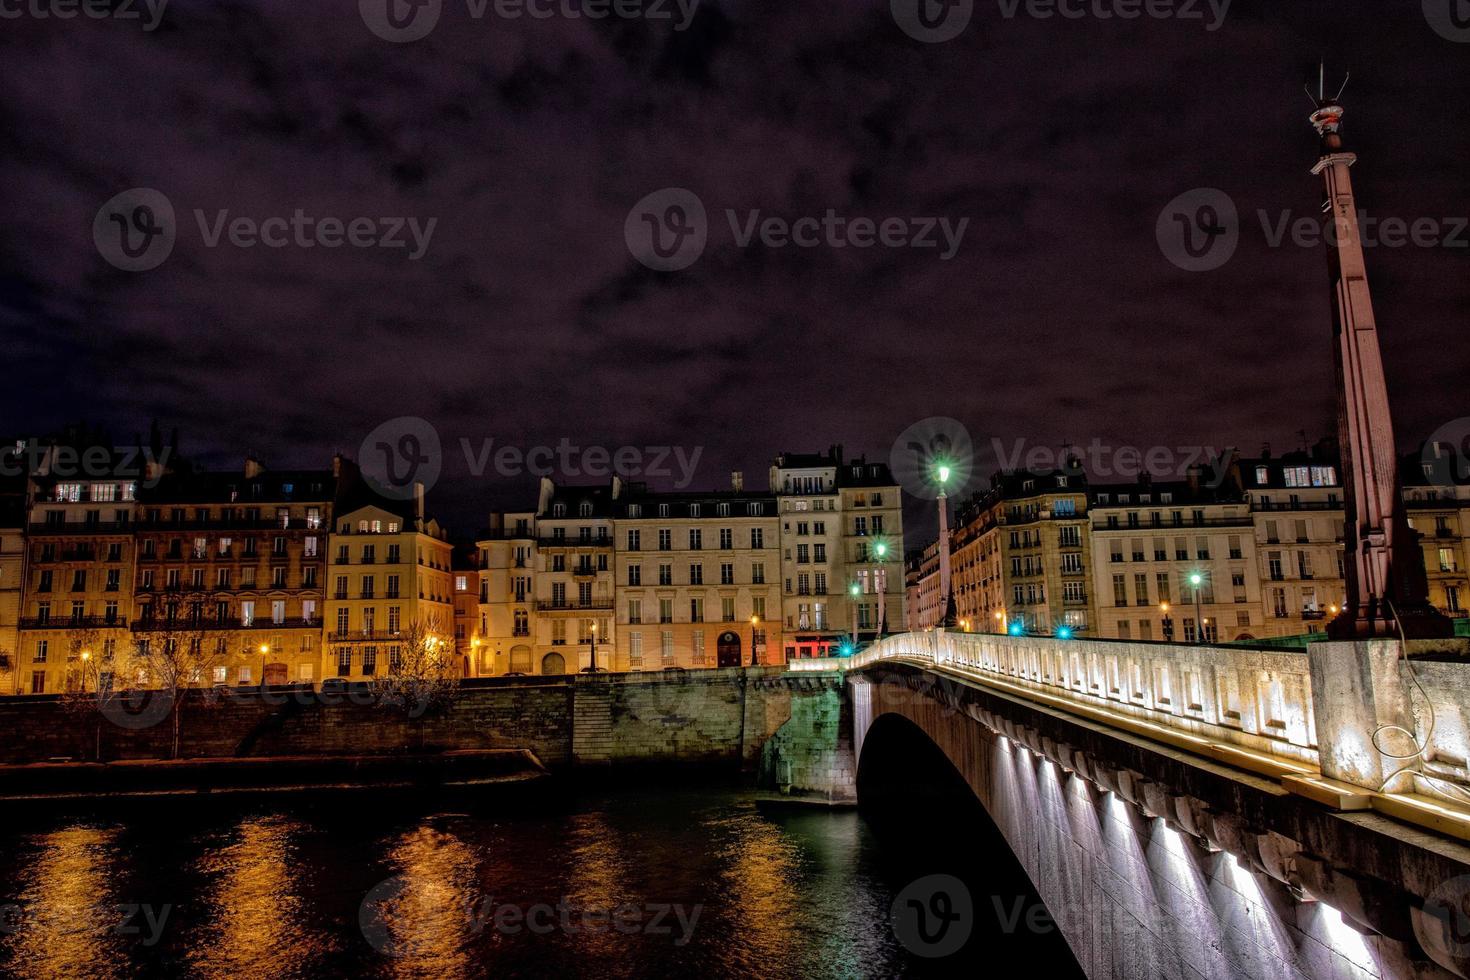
x=737 y=481
x=418 y=502
x=253 y=468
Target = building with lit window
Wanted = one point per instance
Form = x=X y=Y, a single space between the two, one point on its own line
x=12 y=577
x=574 y=578
x=507 y=600
x=236 y=561
x=697 y=579
x=841 y=540
x=389 y=581
x=78 y=596
x=1297 y=507
x=1154 y=544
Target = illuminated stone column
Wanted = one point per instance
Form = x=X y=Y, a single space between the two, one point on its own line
x=1357 y=691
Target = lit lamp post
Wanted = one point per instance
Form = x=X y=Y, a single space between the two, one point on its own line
x=475 y=655
x=1196 y=580
x=1000 y=621
x=592 y=643
x=942 y=474
x=264 y=651
x=87 y=655
x=880 y=585
x=854 y=590
x=755 y=640
x=1167 y=622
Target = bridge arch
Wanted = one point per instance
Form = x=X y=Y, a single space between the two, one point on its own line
x=1142 y=878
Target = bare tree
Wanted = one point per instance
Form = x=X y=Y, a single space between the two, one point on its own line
x=172 y=654
x=89 y=669
x=423 y=674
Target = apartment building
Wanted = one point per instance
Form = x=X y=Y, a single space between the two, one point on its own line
x=1437 y=497
x=841 y=541
x=78 y=599
x=574 y=579
x=921 y=589
x=390 y=582
x=12 y=577
x=697 y=579
x=507 y=599
x=469 y=629
x=236 y=561
x=1156 y=544
x=1297 y=508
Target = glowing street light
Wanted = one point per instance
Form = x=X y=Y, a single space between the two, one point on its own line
x=755 y=640
x=1196 y=579
x=942 y=474
x=1167 y=622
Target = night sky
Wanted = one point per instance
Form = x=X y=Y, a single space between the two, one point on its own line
x=528 y=320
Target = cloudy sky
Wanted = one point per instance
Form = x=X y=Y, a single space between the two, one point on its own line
x=1055 y=143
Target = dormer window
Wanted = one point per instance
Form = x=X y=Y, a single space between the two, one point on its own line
x=585 y=509
x=558 y=510
x=663 y=510
x=693 y=510
x=1262 y=475
x=635 y=510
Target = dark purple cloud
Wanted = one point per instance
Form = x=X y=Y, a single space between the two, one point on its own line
x=527 y=320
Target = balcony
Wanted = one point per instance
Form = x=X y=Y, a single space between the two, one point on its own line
x=80 y=527
x=549 y=605
x=72 y=622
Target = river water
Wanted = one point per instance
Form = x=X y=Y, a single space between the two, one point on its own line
x=638 y=882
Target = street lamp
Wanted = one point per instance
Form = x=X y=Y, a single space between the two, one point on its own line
x=264 y=651
x=1196 y=579
x=880 y=586
x=942 y=474
x=592 y=641
x=1000 y=619
x=1168 y=623
x=854 y=590
x=755 y=622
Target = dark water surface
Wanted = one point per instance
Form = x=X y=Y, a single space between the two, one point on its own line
x=642 y=882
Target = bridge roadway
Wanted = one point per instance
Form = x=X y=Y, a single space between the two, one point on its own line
x=1192 y=811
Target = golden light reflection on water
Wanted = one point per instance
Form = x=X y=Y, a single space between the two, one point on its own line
x=424 y=913
x=255 y=908
x=761 y=873
x=597 y=879
x=69 y=916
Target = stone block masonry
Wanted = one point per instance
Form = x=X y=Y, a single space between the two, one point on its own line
x=785 y=730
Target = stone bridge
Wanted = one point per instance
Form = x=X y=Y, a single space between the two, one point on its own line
x=1199 y=811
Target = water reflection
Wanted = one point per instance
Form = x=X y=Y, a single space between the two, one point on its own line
x=422 y=919
x=255 y=911
x=69 y=920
